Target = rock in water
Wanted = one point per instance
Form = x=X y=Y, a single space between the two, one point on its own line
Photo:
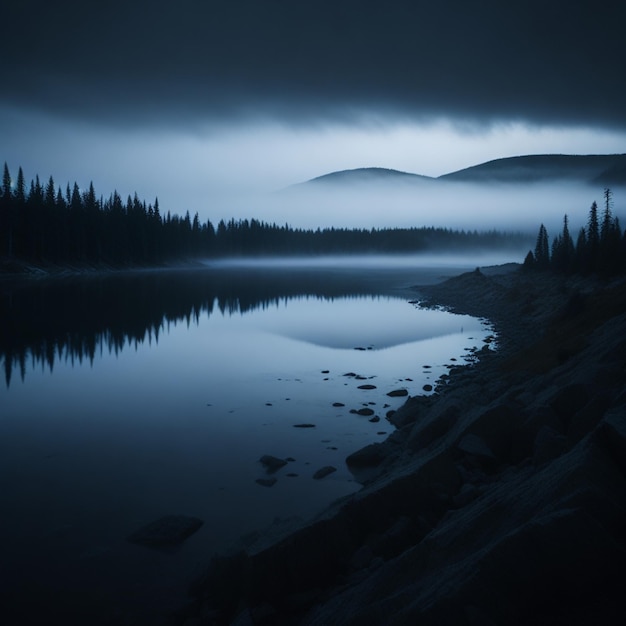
x=266 y=482
x=272 y=463
x=398 y=393
x=166 y=531
x=324 y=471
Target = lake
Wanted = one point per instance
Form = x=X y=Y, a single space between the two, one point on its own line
x=131 y=396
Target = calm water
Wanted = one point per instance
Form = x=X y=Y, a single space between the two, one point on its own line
x=131 y=397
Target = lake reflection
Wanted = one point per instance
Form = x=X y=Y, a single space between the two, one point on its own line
x=131 y=397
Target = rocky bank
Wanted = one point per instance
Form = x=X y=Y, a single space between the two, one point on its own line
x=498 y=500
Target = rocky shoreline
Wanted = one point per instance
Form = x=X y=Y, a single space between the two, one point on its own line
x=500 y=499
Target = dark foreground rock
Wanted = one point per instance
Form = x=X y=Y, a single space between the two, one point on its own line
x=500 y=499
x=324 y=471
x=272 y=463
x=166 y=531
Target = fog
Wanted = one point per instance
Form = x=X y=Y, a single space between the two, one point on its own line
x=252 y=170
x=432 y=203
x=380 y=262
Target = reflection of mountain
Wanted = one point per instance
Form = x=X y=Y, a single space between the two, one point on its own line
x=43 y=321
x=375 y=323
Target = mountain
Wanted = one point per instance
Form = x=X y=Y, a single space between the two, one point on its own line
x=366 y=175
x=596 y=169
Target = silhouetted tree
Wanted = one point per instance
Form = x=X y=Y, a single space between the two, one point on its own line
x=563 y=250
x=593 y=237
x=542 y=250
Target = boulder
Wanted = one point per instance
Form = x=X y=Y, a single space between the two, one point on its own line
x=368 y=456
x=569 y=400
x=475 y=446
x=398 y=393
x=549 y=444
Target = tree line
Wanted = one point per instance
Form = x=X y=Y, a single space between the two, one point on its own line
x=600 y=247
x=46 y=224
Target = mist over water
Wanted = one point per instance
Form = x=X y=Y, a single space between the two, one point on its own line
x=399 y=264
x=454 y=205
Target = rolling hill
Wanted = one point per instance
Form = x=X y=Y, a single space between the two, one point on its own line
x=609 y=169
x=367 y=175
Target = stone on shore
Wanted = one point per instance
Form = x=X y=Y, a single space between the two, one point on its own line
x=475 y=446
x=498 y=500
x=369 y=456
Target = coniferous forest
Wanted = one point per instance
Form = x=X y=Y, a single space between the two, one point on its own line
x=46 y=224
x=600 y=247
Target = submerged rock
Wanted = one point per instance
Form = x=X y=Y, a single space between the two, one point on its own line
x=304 y=425
x=366 y=387
x=272 y=463
x=324 y=471
x=266 y=482
x=166 y=531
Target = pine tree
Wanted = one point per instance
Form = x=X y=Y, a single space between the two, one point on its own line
x=593 y=238
x=542 y=250
x=607 y=218
x=580 y=253
x=20 y=187
x=565 y=254
x=529 y=261
x=7 y=214
x=6 y=183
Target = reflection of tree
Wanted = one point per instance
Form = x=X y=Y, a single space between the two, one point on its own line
x=74 y=319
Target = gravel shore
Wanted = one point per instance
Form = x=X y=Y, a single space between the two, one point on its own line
x=500 y=499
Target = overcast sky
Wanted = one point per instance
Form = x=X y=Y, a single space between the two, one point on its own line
x=196 y=100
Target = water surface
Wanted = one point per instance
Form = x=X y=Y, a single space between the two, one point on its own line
x=131 y=397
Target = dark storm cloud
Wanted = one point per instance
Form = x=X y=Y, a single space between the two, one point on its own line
x=186 y=60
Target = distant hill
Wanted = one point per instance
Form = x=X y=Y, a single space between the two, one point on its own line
x=365 y=175
x=605 y=169
x=596 y=169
